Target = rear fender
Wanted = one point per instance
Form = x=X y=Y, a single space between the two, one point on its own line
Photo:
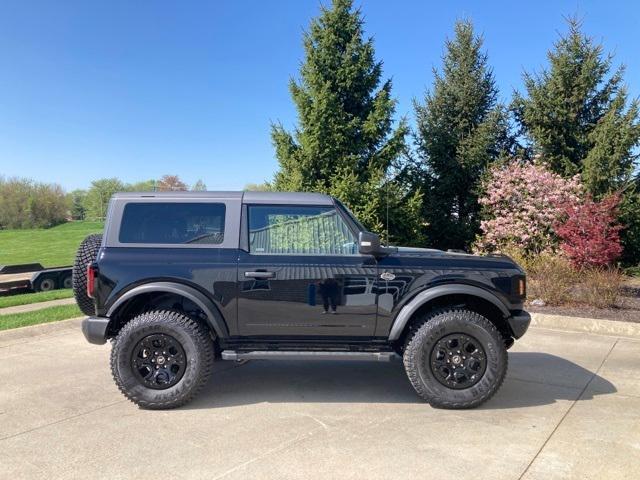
x=214 y=318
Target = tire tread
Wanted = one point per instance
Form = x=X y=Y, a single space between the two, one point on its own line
x=195 y=330
x=87 y=253
x=425 y=331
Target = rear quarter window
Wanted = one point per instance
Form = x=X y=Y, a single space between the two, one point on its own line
x=173 y=223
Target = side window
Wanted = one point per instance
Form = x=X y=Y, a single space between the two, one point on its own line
x=173 y=223
x=299 y=230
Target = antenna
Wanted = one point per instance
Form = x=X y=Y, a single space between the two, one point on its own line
x=387 y=233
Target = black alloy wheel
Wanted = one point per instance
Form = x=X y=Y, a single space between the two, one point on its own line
x=458 y=361
x=158 y=361
x=455 y=358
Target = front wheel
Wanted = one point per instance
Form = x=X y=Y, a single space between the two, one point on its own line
x=455 y=358
x=161 y=359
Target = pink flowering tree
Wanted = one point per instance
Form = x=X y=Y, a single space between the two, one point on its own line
x=521 y=204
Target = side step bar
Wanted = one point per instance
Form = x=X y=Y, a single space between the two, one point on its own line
x=302 y=355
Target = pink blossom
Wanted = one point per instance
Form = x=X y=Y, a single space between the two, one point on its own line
x=522 y=202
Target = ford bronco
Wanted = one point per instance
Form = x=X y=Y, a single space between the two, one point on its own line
x=179 y=280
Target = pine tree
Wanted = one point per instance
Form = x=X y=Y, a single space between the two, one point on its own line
x=461 y=129
x=578 y=116
x=345 y=143
x=199 y=186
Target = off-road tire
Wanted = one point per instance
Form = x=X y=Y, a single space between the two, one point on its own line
x=198 y=348
x=421 y=341
x=87 y=253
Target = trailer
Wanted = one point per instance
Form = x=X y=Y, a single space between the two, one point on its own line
x=33 y=276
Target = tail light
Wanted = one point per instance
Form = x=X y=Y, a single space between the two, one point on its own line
x=91 y=280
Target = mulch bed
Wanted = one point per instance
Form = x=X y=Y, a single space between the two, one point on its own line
x=627 y=308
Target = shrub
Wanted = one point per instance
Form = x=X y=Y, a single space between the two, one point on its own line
x=550 y=278
x=589 y=234
x=599 y=287
x=522 y=202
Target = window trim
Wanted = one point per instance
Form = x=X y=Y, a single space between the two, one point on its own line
x=245 y=239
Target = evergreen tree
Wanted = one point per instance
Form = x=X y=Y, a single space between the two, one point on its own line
x=76 y=201
x=345 y=143
x=199 y=186
x=577 y=115
x=461 y=129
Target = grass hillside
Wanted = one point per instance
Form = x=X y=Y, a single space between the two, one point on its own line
x=52 y=247
x=46 y=315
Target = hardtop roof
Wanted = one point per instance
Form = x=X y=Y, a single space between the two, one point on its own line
x=305 y=198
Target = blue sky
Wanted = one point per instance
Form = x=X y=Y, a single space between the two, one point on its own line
x=137 y=89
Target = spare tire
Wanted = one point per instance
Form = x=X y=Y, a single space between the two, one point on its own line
x=87 y=253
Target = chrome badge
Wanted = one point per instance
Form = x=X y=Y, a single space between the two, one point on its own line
x=388 y=276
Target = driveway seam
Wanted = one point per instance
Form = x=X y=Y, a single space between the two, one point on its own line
x=40 y=427
x=283 y=446
x=595 y=374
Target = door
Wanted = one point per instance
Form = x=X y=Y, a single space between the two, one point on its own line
x=303 y=275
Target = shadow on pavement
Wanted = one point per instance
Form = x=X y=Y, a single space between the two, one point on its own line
x=533 y=379
x=553 y=378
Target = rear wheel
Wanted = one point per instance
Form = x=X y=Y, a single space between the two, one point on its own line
x=162 y=359
x=455 y=358
x=87 y=253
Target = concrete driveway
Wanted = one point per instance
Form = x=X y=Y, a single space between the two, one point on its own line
x=570 y=408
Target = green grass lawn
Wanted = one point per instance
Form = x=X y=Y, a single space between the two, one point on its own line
x=46 y=315
x=27 y=298
x=52 y=247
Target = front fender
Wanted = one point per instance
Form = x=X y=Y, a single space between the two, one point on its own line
x=432 y=293
x=214 y=318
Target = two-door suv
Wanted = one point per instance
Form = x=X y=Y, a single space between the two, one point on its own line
x=179 y=280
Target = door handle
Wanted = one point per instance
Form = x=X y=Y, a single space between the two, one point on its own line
x=260 y=275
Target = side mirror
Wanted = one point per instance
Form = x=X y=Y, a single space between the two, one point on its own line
x=368 y=243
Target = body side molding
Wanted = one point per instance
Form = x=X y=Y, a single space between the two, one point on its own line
x=214 y=318
x=423 y=297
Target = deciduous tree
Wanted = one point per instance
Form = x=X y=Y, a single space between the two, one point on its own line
x=170 y=183
x=589 y=232
x=98 y=197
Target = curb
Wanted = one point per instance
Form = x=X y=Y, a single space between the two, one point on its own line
x=7 y=337
x=586 y=325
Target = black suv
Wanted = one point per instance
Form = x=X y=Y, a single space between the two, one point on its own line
x=181 y=279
